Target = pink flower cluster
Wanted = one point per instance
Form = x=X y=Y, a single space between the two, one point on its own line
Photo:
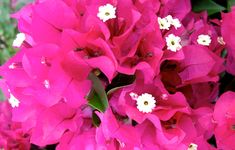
x=173 y=54
x=11 y=134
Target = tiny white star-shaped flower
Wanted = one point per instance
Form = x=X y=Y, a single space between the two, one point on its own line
x=145 y=102
x=20 y=37
x=176 y=23
x=173 y=21
x=173 y=42
x=106 y=12
x=164 y=24
x=192 y=146
x=13 y=101
x=204 y=39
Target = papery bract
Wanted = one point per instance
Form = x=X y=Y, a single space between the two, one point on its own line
x=224 y=117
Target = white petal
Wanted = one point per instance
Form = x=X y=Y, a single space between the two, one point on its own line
x=20 y=37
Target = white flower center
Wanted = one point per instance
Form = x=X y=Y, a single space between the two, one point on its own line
x=106 y=12
x=204 y=39
x=145 y=102
x=192 y=146
x=173 y=43
x=20 y=37
x=13 y=101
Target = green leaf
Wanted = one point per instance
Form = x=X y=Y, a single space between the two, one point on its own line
x=95 y=101
x=95 y=120
x=97 y=97
x=210 y=6
x=2 y=97
x=224 y=53
x=230 y=4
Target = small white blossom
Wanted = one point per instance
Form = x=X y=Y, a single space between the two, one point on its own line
x=13 y=101
x=173 y=43
x=192 y=146
x=173 y=21
x=106 y=12
x=169 y=18
x=20 y=37
x=176 y=23
x=164 y=24
x=204 y=39
x=145 y=102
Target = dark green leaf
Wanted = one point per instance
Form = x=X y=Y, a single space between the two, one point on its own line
x=207 y=5
x=97 y=98
x=95 y=119
x=95 y=101
x=2 y=97
x=224 y=53
x=230 y=4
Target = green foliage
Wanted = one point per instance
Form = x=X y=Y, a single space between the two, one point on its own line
x=230 y=3
x=213 y=7
x=207 y=5
x=7 y=31
x=95 y=120
x=8 y=28
x=97 y=97
x=2 y=97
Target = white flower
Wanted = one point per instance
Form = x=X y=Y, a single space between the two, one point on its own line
x=173 y=21
x=145 y=102
x=176 y=23
x=169 y=18
x=173 y=43
x=192 y=146
x=13 y=101
x=106 y=12
x=204 y=39
x=164 y=24
x=20 y=37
